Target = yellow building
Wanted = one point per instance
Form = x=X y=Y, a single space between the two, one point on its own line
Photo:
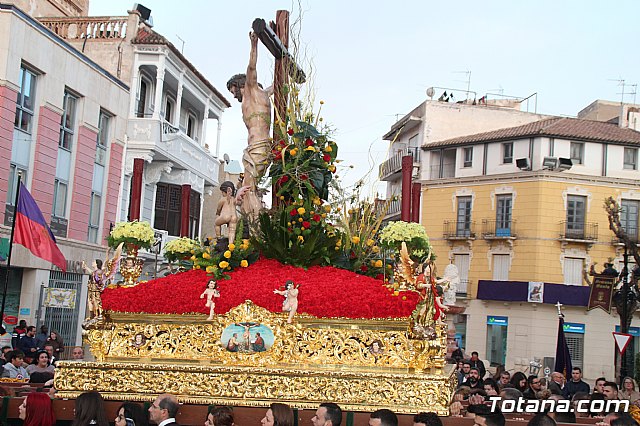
x=525 y=204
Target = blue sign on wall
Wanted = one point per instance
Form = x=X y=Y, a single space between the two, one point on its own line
x=634 y=331
x=573 y=327
x=495 y=320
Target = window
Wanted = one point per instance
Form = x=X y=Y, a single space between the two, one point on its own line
x=507 y=152
x=414 y=148
x=468 y=156
x=14 y=172
x=94 y=217
x=576 y=211
x=577 y=152
x=68 y=121
x=168 y=110
x=503 y=215
x=194 y=215
x=496 y=343
x=25 y=102
x=573 y=268
x=629 y=218
x=462 y=262
x=575 y=343
x=631 y=158
x=191 y=126
x=501 y=263
x=103 y=137
x=167 y=212
x=59 y=198
x=142 y=99
x=463 y=223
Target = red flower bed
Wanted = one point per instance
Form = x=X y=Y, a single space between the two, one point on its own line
x=324 y=292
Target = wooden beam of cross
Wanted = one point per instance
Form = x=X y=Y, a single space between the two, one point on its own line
x=278 y=49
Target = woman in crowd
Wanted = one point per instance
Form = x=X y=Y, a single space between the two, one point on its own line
x=131 y=414
x=58 y=345
x=41 y=365
x=628 y=390
x=278 y=415
x=519 y=381
x=219 y=416
x=90 y=410
x=36 y=410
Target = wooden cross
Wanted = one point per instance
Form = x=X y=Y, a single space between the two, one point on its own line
x=559 y=306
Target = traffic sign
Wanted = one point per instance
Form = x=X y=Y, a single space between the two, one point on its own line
x=622 y=341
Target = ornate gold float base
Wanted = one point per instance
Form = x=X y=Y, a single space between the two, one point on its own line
x=255 y=387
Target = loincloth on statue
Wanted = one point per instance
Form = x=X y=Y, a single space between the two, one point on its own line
x=255 y=158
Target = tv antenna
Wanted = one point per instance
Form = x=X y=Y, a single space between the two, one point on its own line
x=468 y=80
x=182 y=48
x=633 y=89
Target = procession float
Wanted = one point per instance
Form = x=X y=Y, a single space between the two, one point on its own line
x=309 y=301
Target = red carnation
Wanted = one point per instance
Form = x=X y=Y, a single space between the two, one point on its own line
x=316 y=217
x=283 y=143
x=364 y=268
x=284 y=179
x=293 y=212
x=306 y=224
x=290 y=132
x=279 y=156
x=326 y=157
x=308 y=142
x=304 y=177
x=379 y=277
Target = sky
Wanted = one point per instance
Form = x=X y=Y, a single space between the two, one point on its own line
x=373 y=61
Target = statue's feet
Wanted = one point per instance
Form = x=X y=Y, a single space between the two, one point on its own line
x=210 y=318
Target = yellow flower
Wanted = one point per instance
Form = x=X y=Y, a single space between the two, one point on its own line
x=288 y=223
x=323 y=215
x=196 y=267
x=282 y=197
x=327 y=208
x=301 y=210
x=301 y=239
x=244 y=263
x=332 y=168
x=328 y=148
x=293 y=152
x=317 y=201
x=372 y=263
x=339 y=243
x=370 y=242
x=210 y=268
x=206 y=255
x=223 y=264
x=389 y=266
x=310 y=148
x=193 y=258
x=299 y=219
x=355 y=240
x=375 y=249
x=227 y=254
x=395 y=293
x=232 y=247
x=378 y=263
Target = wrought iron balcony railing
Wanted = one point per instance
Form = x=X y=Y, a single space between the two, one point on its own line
x=496 y=229
x=394 y=164
x=454 y=230
x=581 y=231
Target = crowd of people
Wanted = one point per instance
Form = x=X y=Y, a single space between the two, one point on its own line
x=32 y=356
x=476 y=389
x=37 y=410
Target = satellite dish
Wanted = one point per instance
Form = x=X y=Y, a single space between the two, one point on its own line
x=431 y=92
x=226 y=158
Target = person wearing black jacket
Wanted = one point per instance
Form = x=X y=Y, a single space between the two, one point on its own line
x=19 y=331
x=477 y=363
x=575 y=384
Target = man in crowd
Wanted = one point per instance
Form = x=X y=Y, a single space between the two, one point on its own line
x=28 y=344
x=533 y=386
x=42 y=337
x=466 y=368
x=483 y=416
x=474 y=381
x=328 y=414
x=556 y=385
x=599 y=386
x=610 y=390
x=426 y=419
x=505 y=377
x=48 y=348
x=383 y=417
x=163 y=410
x=575 y=384
x=19 y=331
x=77 y=353
x=477 y=363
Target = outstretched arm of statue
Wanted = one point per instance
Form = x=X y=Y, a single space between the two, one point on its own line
x=86 y=268
x=252 y=74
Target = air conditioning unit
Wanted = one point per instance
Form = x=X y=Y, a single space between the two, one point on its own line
x=564 y=163
x=523 y=164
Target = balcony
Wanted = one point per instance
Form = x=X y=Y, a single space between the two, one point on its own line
x=498 y=230
x=447 y=171
x=462 y=289
x=454 y=230
x=90 y=28
x=586 y=232
x=387 y=209
x=390 y=169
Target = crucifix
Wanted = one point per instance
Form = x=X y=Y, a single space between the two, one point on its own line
x=559 y=306
x=256 y=104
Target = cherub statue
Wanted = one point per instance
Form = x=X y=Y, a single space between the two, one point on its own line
x=210 y=292
x=99 y=279
x=226 y=212
x=290 y=303
x=430 y=310
x=450 y=282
